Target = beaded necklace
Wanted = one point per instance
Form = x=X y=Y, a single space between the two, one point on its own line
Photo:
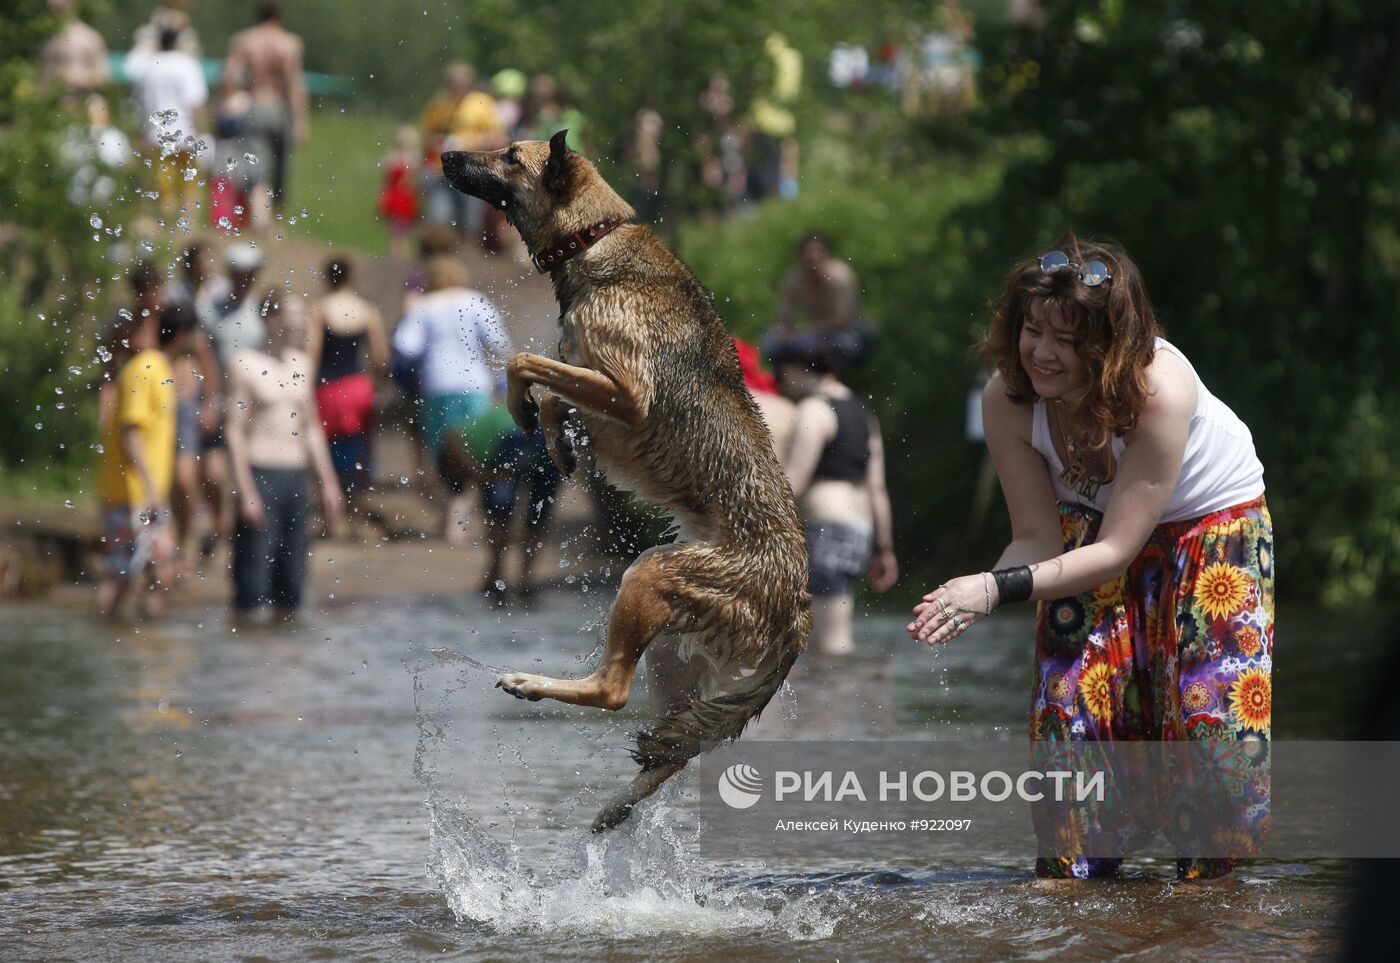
x=1076 y=476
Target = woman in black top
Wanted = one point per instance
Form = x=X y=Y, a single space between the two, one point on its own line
x=836 y=465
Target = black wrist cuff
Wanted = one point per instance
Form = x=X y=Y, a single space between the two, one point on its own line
x=1014 y=584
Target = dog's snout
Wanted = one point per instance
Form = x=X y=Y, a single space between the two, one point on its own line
x=455 y=164
x=475 y=175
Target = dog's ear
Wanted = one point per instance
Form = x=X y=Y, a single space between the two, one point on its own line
x=556 y=169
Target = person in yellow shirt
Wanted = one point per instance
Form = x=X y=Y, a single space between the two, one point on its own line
x=137 y=464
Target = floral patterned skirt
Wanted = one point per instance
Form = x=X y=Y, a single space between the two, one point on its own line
x=1178 y=649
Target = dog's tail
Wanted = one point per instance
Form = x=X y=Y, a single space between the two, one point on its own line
x=665 y=747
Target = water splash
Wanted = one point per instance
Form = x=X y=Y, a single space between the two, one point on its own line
x=639 y=880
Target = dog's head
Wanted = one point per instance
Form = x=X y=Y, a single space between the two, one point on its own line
x=545 y=189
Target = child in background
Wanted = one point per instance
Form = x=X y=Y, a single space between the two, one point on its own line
x=398 y=203
x=179 y=336
x=137 y=464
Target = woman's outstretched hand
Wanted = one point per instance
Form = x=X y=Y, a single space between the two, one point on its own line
x=948 y=611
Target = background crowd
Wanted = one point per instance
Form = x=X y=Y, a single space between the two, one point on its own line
x=969 y=129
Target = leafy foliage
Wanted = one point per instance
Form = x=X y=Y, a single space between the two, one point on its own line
x=53 y=258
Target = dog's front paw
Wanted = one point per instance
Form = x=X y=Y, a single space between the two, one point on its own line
x=526 y=412
x=519 y=685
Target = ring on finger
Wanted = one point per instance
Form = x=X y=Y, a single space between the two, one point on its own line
x=958 y=623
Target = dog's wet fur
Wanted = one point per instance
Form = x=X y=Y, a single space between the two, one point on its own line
x=649 y=371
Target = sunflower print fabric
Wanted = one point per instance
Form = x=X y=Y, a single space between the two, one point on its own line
x=1179 y=650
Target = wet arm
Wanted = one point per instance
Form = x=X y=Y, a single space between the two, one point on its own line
x=131 y=448
x=238 y=421
x=879 y=495
x=378 y=344
x=296 y=93
x=1024 y=477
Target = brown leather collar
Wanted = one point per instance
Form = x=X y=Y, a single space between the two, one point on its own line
x=556 y=255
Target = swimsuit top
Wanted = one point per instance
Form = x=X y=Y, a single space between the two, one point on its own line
x=846 y=455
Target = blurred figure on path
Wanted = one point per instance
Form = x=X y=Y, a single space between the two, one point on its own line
x=643 y=155
x=819 y=307
x=836 y=465
x=239 y=194
x=508 y=86
x=345 y=329
x=237 y=325
x=453 y=335
x=267 y=59
x=172 y=93
x=477 y=126
x=275 y=441
x=180 y=340
x=398 y=198
x=94 y=154
x=549 y=111
x=443 y=204
x=200 y=284
x=173 y=15
x=136 y=466
x=489 y=452
x=75 y=58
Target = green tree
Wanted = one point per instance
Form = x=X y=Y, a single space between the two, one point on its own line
x=54 y=266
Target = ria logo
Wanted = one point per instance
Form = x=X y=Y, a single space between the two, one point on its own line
x=740 y=786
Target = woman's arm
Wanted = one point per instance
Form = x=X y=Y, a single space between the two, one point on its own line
x=238 y=421
x=884 y=569
x=315 y=337
x=814 y=426
x=1024 y=478
x=378 y=343
x=319 y=453
x=1146 y=477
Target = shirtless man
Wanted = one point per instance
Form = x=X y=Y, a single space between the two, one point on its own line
x=819 y=304
x=76 y=57
x=269 y=57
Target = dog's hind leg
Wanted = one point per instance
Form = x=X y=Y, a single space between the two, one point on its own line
x=639 y=613
x=620 y=806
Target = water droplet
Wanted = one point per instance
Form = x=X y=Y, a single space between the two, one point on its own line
x=96 y=222
x=68 y=503
x=250 y=158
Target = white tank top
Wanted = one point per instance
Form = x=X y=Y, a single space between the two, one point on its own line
x=1220 y=468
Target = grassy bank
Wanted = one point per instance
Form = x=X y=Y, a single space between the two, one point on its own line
x=335 y=178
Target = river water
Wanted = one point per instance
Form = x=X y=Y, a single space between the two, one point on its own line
x=354 y=788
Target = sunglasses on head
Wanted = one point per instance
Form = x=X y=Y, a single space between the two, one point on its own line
x=1092 y=274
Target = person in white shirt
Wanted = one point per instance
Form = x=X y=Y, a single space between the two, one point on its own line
x=172 y=92
x=456 y=337
x=1138 y=521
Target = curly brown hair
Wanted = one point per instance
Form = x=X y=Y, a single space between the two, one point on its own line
x=1114 y=333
